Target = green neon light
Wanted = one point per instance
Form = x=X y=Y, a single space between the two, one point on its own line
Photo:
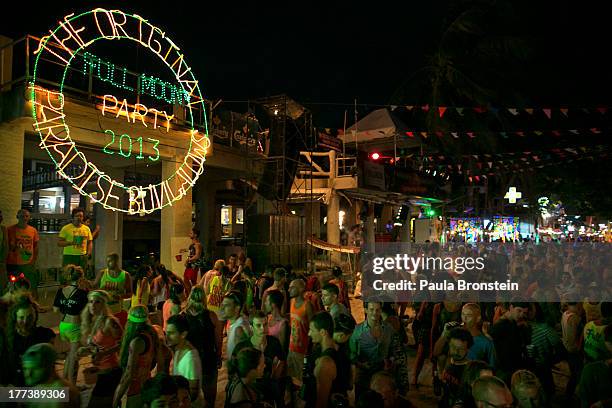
x=149 y=85
x=199 y=154
x=126 y=140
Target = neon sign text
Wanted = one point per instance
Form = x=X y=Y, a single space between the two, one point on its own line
x=74 y=34
x=125 y=144
x=110 y=104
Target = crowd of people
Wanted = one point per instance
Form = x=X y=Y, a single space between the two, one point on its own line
x=155 y=338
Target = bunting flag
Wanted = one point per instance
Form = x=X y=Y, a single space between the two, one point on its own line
x=519 y=133
x=513 y=111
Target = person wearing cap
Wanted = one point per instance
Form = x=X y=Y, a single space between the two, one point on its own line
x=102 y=333
x=138 y=350
x=39 y=372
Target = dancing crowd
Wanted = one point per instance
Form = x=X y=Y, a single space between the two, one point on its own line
x=152 y=338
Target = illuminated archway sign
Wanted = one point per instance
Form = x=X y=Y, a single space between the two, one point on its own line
x=74 y=34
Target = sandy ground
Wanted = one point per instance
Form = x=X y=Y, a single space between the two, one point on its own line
x=423 y=397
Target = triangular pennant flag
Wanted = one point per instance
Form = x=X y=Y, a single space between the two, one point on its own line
x=519 y=133
x=602 y=110
x=439 y=134
x=393 y=107
x=490 y=164
x=424 y=134
x=459 y=111
x=538 y=132
x=458 y=167
x=585 y=110
x=547 y=112
x=425 y=108
x=479 y=164
x=475 y=156
x=480 y=109
x=556 y=133
x=513 y=111
x=596 y=131
x=503 y=134
x=529 y=110
x=574 y=131
x=410 y=134
x=564 y=111
x=471 y=134
x=409 y=107
x=455 y=135
x=441 y=110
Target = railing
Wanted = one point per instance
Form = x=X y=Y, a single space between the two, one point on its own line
x=47 y=178
x=85 y=70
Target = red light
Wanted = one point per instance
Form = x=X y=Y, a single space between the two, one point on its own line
x=13 y=278
x=375 y=156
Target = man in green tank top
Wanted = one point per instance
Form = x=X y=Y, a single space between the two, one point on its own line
x=115 y=281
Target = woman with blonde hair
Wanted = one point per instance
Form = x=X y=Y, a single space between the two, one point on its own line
x=202 y=336
x=102 y=332
x=70 y=302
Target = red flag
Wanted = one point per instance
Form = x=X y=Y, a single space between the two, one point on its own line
x=602 y=110
x=410 y=134
x=519 y=133
x=471 y=134
x=441 y=110
x=439 y=134
x=425 y=108
x=480 y=109
x=547 y=112
x=556 y=133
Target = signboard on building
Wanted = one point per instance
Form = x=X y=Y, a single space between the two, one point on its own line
x=329 y=142
x=373 y=175
x=238 y=130
x=136 y=113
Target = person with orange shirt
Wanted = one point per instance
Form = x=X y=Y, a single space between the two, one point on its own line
x=23 y=249
x=299 y=321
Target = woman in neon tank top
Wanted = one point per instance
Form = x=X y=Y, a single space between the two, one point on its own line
x=138 y=349
x=102 y=332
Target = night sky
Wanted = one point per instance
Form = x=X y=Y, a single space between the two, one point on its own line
x=334 y=54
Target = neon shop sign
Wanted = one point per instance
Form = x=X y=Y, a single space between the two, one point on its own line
x=74 y=35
